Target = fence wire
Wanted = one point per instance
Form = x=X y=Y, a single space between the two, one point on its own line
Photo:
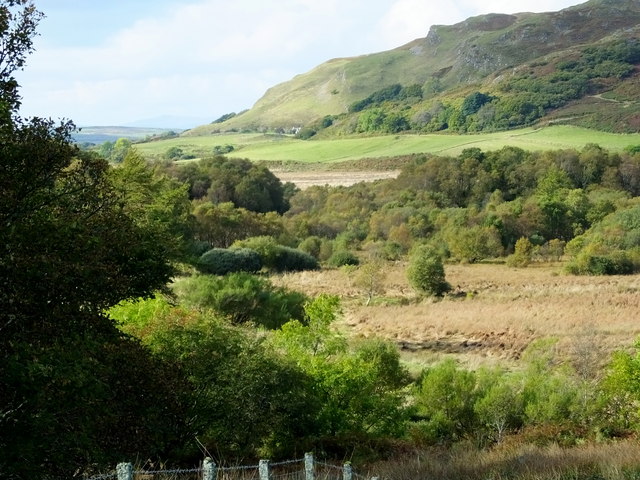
x=285 y=470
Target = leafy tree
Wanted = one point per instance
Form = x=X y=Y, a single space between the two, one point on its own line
x=472 y=244
x=445 y=399
x=341 y=258
x=370 y=278
x=70 y=249
x=173 y=153
x=243 y=399
x=426 y=271
x=360 y=392
x=245 y=184
x=522 y=255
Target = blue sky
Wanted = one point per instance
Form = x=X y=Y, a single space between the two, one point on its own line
x=117 y=62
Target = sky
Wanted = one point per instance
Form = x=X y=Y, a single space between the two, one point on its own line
x=179 y=64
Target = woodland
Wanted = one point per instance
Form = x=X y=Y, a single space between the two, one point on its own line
x=143 y=313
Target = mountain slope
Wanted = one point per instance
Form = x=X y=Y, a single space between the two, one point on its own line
x=448 y=58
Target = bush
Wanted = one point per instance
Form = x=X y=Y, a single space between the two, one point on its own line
x=241 y=297
x=342 y=258
x=279 y=258
x=522 y=255
x=221 y=261
x=589 y=262
x=311 y=245
x=292 y=260
x=426 y=272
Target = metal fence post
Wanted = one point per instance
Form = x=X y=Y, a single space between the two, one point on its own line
x=124 y=471
x=347 y=472
x=263 y=470
x=309 y=467
x=208 y=469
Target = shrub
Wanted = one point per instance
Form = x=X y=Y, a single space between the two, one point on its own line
x=342 y=258
x=279 y=258
x=426 y=272
x=522 y=255
x=241 y=297
x=445 y=400
x=221 y=261
x=589 y=262
x=311 y=245
x=292 y=260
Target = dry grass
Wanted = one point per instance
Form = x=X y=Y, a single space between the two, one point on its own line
x=313 y=178
x=616 y=461
x=494 y=314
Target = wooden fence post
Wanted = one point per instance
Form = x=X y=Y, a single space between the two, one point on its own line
x=208 y=469
x=124 y=471
x=347 y=472
x=263 y=470
x=309 y=467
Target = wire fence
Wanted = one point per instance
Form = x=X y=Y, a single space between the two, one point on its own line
x=306 y=468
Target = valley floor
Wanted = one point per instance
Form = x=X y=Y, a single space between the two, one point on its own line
x=494 y=313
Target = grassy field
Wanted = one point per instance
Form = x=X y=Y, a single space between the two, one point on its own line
x=287 y=149
x=494 y=315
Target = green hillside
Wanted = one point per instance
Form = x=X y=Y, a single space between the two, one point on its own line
x=481 y=53
x=257 y=146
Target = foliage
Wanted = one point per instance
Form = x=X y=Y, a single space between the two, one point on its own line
x=75 y=393
x=245 y=184
x=220 y=225
x=445 y=401
x=244 y=401
x=341 y=258
x=279 y=258
x=220 y=261
x=522 y=255
x=359 y=391
x=243 y=298
x=426 y=271
x=610 y=247
x=621 y=391
x=475 y=243
x=370 y=278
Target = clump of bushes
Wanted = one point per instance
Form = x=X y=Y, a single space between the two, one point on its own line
x=221 y=261
x=243 y=298
x=279 y=258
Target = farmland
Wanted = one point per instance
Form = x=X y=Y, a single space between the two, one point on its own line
x=281 y=148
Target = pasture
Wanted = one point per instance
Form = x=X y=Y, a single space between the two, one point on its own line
x=282 y=148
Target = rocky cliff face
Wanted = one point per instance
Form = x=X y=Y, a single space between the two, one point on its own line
x=455 y=55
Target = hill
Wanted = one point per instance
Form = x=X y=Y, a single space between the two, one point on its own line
x=487 y=53
x=96 y=135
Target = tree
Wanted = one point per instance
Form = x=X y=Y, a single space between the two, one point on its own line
x=426 y=272
x=70 y=249
x=359 y=391
x=370 y=278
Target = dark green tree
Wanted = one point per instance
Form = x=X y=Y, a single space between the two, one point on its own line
x=70 y=249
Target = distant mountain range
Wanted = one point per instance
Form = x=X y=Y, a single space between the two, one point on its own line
x=504 y=58
x=99 y=134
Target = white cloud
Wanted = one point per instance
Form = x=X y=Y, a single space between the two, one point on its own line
x=210 y=57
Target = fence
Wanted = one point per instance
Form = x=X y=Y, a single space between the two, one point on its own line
x=307 y=468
